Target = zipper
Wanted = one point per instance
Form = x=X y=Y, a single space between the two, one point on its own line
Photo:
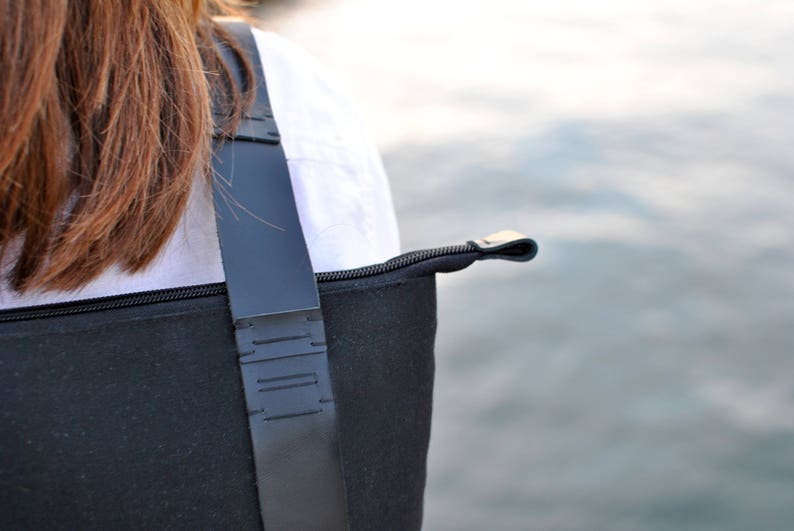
x=207 y=290
x=506 y=245
x=112 y=302
x=404 y=260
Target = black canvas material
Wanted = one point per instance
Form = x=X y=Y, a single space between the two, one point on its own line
x=133 y=418
x=125 y=419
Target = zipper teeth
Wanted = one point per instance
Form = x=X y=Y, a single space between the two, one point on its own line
x=189 y=292
x=395 y=263
x=206 y=290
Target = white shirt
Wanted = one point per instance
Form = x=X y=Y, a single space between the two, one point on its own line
x=340 y=186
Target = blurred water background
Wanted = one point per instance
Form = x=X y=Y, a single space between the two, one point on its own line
x=638 y=374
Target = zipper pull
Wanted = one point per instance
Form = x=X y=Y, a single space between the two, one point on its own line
x=506 y=245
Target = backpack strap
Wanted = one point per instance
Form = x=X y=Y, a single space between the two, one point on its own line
x=278 y=323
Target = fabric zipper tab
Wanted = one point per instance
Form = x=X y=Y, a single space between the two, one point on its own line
x=506 y=245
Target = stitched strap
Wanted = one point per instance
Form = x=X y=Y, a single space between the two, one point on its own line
x=278 y=323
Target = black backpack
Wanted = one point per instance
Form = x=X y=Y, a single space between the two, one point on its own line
x=308 y=408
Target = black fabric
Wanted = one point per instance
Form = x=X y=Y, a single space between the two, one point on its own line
x=126 y=419
x=134 y=418
x=381 y=355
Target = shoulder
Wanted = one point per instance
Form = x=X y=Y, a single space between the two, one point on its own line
x=340 y=185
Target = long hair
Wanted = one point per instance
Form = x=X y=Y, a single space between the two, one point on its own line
x=105 y=120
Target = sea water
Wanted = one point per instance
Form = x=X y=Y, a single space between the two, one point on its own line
x=639 y=374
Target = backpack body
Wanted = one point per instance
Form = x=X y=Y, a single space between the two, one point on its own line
x=128 y=412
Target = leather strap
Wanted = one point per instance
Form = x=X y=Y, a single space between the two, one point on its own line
x=278 y=322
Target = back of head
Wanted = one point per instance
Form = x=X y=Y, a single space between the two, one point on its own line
x=105 y=121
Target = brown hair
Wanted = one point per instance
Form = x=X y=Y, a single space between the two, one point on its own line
x=105 y=119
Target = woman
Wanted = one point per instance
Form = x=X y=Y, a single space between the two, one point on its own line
x=129 y=411
x=107 y=110
x=105 y=150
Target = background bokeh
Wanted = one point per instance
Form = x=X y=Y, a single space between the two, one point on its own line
x=638 y=375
